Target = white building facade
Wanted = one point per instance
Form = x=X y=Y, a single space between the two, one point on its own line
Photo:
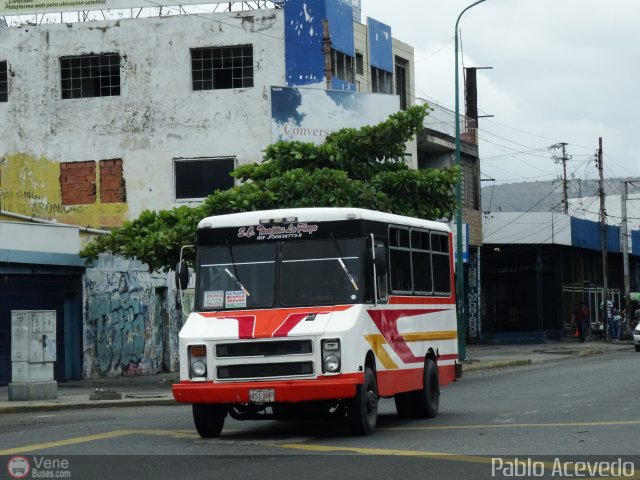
x=105 y=119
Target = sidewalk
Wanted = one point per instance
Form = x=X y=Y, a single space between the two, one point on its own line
x=156 y=389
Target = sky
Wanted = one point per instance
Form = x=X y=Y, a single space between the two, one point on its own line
x=562 y=71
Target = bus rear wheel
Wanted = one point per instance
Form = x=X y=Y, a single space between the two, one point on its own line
x=427 y=400
x=363 y=408
x=209 y=419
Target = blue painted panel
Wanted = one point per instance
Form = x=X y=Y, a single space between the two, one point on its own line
x=635 y=242
x=304 y=61
x=586 y=234
x=338 y=84
x=340 y=16
x=380 y=46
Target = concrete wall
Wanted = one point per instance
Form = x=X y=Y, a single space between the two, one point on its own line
x=131 y=320
x=156 y=118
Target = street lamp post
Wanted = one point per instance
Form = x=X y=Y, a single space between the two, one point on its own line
x=462 y=327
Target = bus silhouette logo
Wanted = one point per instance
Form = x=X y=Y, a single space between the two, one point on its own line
x=18 y=467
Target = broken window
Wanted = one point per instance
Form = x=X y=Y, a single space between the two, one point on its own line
x=198 y=178
x=215 y=68
x=359 y=64
x=342 y=66
x=90 y=75
x=381 y=81
x=112 y=186
x=4 y=82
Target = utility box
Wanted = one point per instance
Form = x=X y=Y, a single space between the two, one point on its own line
x=33 y=353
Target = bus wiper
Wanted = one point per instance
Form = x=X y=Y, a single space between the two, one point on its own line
x=344 y=267
x=235 y=277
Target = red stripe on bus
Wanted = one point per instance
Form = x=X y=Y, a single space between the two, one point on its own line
x=387 y=323
x=402 y=300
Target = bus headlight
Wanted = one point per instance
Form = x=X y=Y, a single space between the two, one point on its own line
x=198 y=361
x=331 y=355
x=198 y=369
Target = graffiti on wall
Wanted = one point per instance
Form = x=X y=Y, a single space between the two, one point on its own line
x=31 y=186
x=124 y=325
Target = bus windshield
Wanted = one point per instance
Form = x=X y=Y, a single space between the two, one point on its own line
x=236 y=276
x=321 y=272
x=316 y=272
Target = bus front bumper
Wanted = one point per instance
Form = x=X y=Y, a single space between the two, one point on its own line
x=288 y=391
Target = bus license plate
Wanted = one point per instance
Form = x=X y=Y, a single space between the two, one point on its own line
x=263 y=395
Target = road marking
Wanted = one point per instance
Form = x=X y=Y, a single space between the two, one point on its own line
x=68 y=441
x=385 y=451
x=518 y=425
x=571 y=467
x=100 y=436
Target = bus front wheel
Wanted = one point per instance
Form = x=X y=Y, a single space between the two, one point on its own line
x=363 y=408
x=209 y=419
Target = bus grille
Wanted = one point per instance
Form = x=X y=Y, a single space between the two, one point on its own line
x=264 y=348
x=264 y=370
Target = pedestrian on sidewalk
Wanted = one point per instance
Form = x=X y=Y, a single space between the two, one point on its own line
x=615 y=326
x=580 y=318
x=607 y=316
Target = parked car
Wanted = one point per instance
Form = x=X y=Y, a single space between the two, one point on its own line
x=636 y=338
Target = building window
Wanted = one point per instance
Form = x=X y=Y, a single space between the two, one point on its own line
x=4 y=82
x=342 y=66
x=112 y=186
x=215 y=68
x=90 y=75
x=359 y=64
x=197 y=178
x=402 y=70
x=381 y=81
x=78 y=183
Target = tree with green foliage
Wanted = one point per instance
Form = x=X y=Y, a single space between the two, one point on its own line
x=363 y=168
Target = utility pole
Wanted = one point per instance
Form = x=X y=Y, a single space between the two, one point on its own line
x=326 y=50
x=603 y=241
x=625 y=251
x=563 y=159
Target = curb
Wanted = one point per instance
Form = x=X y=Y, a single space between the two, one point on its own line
x=494 y=364
x=473 y=367
x=85 y=405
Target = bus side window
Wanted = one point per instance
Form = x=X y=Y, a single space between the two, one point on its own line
x=383 y=289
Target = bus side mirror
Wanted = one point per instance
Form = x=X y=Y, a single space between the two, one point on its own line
x=182 y=275
x=381 y=260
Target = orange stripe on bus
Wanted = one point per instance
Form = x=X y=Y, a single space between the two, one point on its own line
x=377 y=343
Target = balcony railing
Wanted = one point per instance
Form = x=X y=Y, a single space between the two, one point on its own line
x=442 y=120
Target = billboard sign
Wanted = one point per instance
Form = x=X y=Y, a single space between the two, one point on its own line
x=310 y=114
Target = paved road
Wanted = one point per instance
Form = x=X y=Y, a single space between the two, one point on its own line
x=583 y=406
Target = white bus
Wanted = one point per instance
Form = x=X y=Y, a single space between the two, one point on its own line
x=317 y=311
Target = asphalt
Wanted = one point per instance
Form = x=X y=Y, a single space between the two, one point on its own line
x=147 y=390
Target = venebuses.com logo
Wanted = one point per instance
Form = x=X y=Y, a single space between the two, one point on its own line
x=18 y=467
x=38 y=467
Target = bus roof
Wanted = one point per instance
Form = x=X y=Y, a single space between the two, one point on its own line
x=321 y=214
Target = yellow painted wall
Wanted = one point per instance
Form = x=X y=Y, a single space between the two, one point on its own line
x=31 y=186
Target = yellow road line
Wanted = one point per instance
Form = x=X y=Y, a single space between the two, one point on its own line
x=519 y=425
x=451 y=457
x=68 y=441
x=101 y=436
